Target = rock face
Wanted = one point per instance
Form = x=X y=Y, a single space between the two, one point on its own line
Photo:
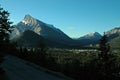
x=113 y=33
x=49 y=32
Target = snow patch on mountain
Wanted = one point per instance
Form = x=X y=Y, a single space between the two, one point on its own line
x=25 y=22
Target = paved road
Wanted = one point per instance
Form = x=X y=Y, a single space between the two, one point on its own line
x=19 y=70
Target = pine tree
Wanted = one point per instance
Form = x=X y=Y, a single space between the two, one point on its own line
x=106 y=61
x=5 y=30
x=104 y=48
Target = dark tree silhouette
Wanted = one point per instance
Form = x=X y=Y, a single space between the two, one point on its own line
x=5 y=30
x=106 y=61
x=104 y=46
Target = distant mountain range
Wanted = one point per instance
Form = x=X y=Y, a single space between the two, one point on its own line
x=30 y=32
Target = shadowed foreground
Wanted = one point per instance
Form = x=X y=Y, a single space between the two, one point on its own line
x=17 y=69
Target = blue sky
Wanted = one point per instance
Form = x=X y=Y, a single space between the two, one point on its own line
x=74 y=17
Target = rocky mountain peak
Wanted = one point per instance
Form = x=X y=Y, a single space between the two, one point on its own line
x=113 y=31
x=27 y=16
x=28 y=19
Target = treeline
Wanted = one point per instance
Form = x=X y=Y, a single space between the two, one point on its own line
x=77 y=66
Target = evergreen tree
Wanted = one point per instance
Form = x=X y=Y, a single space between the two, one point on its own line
x=106 y=61
x=5 y=30
x=104 y=47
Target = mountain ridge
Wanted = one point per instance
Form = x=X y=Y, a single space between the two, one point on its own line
x=49 y=32
x=94 y=35
x=55 y=37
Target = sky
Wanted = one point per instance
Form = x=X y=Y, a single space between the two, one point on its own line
x=74 y=17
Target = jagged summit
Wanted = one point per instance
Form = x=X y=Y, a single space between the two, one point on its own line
x=27 y=16
x=28 y=19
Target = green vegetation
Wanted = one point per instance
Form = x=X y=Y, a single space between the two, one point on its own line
x=106 y=61
x=115 y=43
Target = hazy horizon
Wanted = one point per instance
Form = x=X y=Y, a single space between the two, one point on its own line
x=74 y=17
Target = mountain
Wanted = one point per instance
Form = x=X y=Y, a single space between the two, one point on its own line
x=30 y=31
x=47 y=31
x=113 y=33
x=88 y=39
x=114 y=37
x=91 y=36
